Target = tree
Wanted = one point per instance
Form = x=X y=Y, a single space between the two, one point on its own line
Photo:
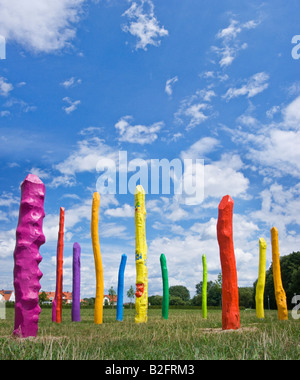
x=112 y=294
x=214 y=292
x=42 y=297
x=245 y=297
x=155 y=300
x=173 y=300
x=179 y=291
x=130 y=294
x=290 y=271
x=90 y=301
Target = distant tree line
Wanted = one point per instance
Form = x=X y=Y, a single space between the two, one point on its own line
x=290 y=273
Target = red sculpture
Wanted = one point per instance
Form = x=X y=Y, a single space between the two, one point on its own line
x=230 y=294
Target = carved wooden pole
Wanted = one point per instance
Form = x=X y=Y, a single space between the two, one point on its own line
x=141 y=294
x=76 y=283
x=279 y=291
x=29 y=238
x=98 y=315
x=121 y=288
x=204 y=288
x=230 y=293
x=165 y=280
x=260 y=286
x=57 y=302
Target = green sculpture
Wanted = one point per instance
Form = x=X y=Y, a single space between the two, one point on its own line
x=164 y=272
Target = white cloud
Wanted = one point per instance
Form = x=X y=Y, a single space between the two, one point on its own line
x=64 y=180
x=4 y=113
x=7 y=243
x=7 y=200
x=75 y=215
x=224 y=177
x=235 y=28
x=40 y=25
x=5 y=87
x=195 y=108
x=72 y=105
x=207 y=95
x=255 y=85
x=85 y=157
x=193 y=113
x=292 y=114
x=196 y=114
x=114 y=230
x=220 y=177
x=280 y=207
x=272 y=111
x=137 y=134
x=143 y=24
x=278 y=150
x=230 y=44
x=40 y=173
x=71 y=82
x=125 y=211
x=168 y=208
x=200 y=148
x=21 y=104
x=169 y=84
x=274 y=148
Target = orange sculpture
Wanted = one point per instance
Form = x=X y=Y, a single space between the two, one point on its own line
x=279 y=291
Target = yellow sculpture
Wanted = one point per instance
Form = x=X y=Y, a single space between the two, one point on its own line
x=279 y=291
x=141 y=301
x=260 y=287
x=98 y=315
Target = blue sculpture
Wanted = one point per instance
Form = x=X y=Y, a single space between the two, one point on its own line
x=121 y=288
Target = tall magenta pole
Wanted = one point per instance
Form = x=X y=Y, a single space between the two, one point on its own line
x=29 y=238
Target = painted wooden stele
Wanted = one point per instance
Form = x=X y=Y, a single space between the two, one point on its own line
x=141 y=294
x=121 y=288
x=230 y=294
x=29 y=238
x=98 y=314
x=204 y=288
x=260 y=286
x=279 y=291
x=57 y=303
x=76 y=283
x=165 y=280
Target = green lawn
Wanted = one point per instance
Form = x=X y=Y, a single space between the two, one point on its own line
x=184 y=336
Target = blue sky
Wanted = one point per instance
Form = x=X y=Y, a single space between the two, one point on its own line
x=158 y=79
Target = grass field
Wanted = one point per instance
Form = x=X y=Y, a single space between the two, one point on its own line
x=184 y=336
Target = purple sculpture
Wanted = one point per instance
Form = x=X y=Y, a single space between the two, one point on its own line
x=29 y=238
x=76 y=283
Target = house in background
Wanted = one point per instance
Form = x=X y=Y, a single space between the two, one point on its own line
x=108 y=300
x=8 y=295
x=50 y=296
x=67 y=297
